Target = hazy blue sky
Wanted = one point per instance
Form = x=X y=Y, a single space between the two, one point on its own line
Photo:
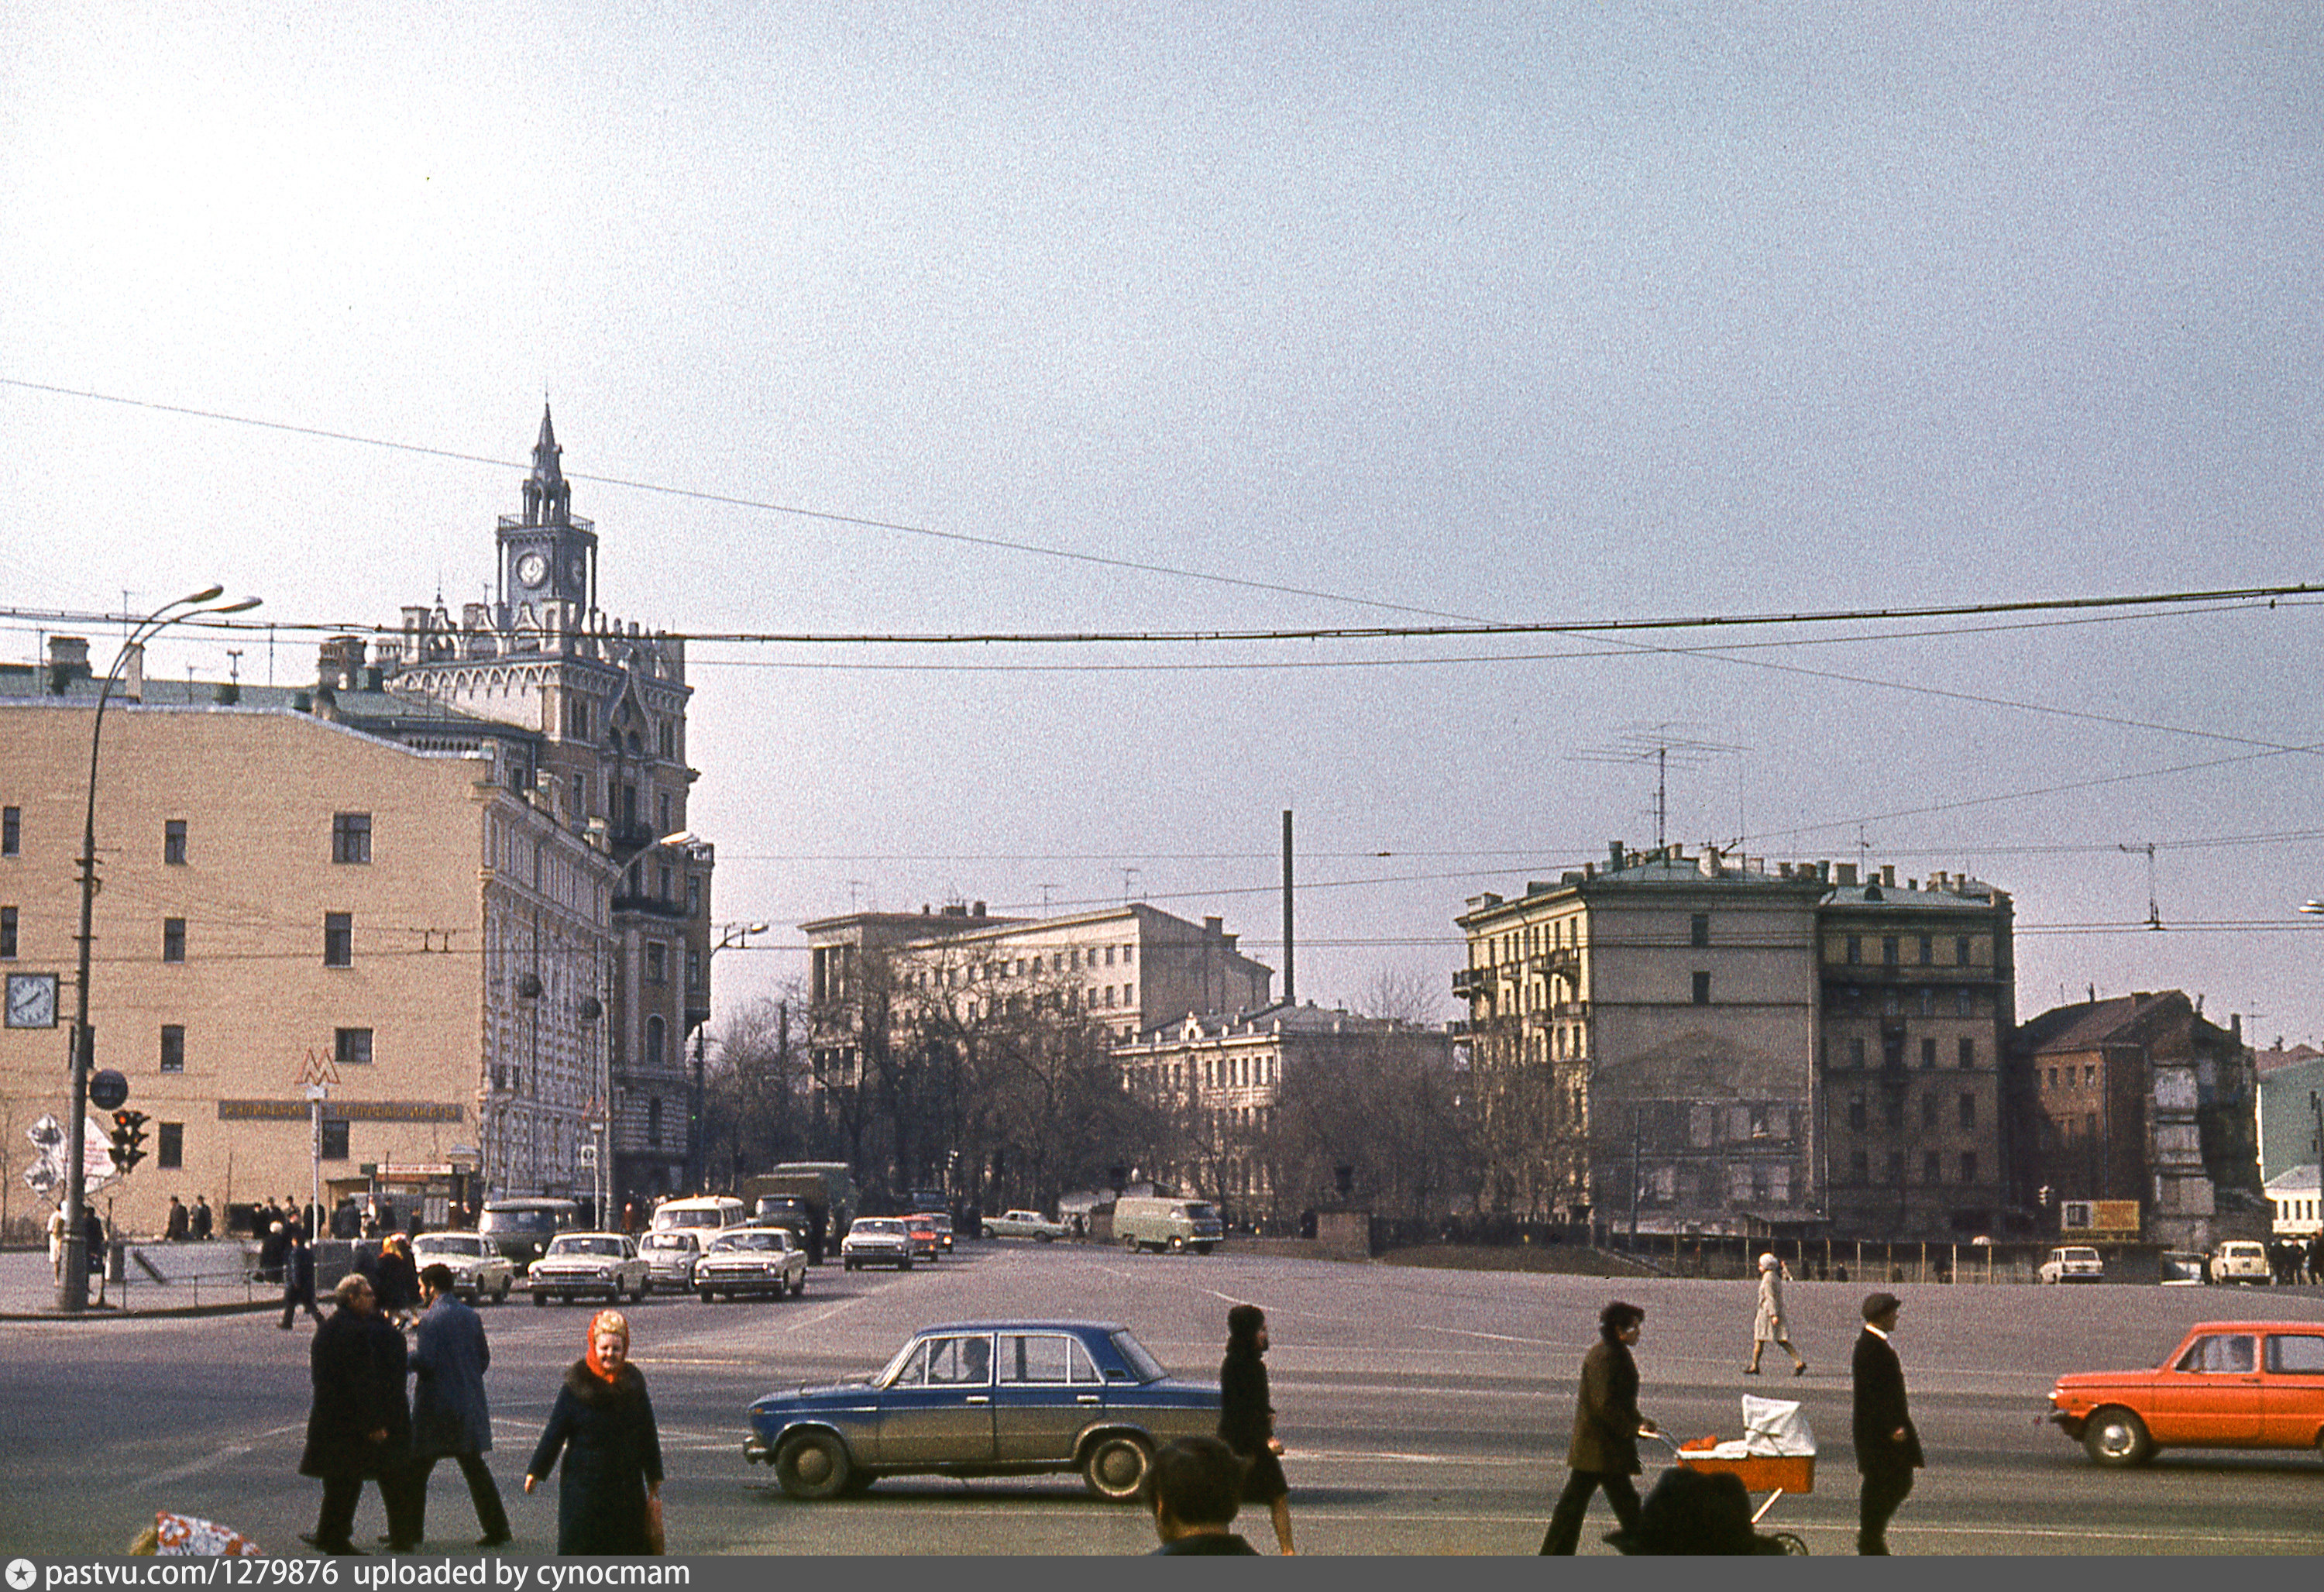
x=1381 y=314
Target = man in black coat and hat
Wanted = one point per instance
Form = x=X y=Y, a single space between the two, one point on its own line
x=360 y=1425
x=1888 y=1449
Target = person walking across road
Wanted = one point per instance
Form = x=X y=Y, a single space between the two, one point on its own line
x=609 y=1498
x=1888 y=1449
x=1606 y=1426
x=358 y=1426
x=1247 y=1418
x=449 y=1417
x=298 y=1279
x=1767 y=1326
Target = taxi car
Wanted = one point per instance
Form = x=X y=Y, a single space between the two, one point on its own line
x=877 y=1240
x=986 y=1398
x=479 y=1270
x=2228 y=1385
x=752 y=1260
x=579 y=1265
x=1024 y=1224
x=926 y=1237
x=671 y=1257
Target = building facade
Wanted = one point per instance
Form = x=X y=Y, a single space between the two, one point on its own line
x=287 y=903
x=1685 y=1045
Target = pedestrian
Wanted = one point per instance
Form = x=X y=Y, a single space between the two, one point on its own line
x=269 y=1251
x=609 y=1498
x=57 y=1243
x=1767 y=1326
x=298 y=1279
x=176 y=1225
x=449 y=1417
x=203 y=1220
x=1606 y=1426
x=92 y=1245
x=1247 y=1418
x=358 y=1427
x=1195 y=1487
x=1888 y=1449
x=397 y=1280
x=2316 y=1258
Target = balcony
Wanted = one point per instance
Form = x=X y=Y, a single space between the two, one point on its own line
x=1472 y=983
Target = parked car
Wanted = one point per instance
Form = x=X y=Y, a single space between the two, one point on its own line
x=479 y=1270
x=2228 y=1385
x=670 y=1255
x=588 y=1264
x=925 y=1240
x=1025 y=1224
x=2240 y=1260
x=877 y=1240
x=2073 y=1263
x=1142 y=1221
x=752 y=1260
x=2184 y=1268
x=522 y=1228
x=986 y=1398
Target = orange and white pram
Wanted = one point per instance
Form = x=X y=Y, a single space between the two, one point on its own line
x=1775 y=1454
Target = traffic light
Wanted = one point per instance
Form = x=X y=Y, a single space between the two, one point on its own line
x=128 y=1139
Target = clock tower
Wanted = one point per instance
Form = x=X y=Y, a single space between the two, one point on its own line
x=547 y=555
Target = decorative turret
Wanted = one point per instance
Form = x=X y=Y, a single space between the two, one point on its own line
x=548 y=498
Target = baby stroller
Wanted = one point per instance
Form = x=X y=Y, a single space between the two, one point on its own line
x=1701 y=1505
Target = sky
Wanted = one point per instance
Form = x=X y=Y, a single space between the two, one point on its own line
x=1213 y=320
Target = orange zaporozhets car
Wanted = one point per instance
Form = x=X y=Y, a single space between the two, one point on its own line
x=2229 y=1384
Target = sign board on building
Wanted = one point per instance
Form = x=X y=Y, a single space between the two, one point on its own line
x=412 y=1170
x=2092 y=1217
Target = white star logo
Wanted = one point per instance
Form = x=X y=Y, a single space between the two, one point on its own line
x=21 y=1574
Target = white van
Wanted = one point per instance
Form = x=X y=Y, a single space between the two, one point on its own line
x=1147 y=1222
x=712 y=1213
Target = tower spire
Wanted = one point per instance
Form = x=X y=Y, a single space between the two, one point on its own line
x=547 y=499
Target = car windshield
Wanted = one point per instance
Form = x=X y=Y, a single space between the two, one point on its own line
x=586 y=1247
x=1133 y=1355
x=667 y=1241
x=447 y=1243
x=733 y=1241
x=1203 y=1212
x=877 y=1226
x=517 y=1221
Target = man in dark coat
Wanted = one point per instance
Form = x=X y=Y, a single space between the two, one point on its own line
x=173 y=1231
x=1888 y=1449
x=359 y=1425
x=449 y=1417
x=297 y=1279
x=273 y=1238
x=1606 y=1426
x=1195 y=1487
x=202 y=1219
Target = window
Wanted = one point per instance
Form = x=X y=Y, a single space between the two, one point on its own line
x=169 y=1145
x=1127 y=998
x=1855 y=1051
x=173 y=1047
x=173 y=842
x=2222 y=1354
x=1961 y=950
x=669 y=741
x=1928 y=951
x=1889 y=951
x=1928 y=1110
x=7 y=934
x=1698 y=929
x=1856 y=948
x=1928 y=1054
x=1703 y=988
x=1932 y=1166
x=351 y=1046
x=334 y=1138
x=1969 y=1110
x=2297 y=1353
x=580 y=797
x=1130 y=954
x=339 y=939
x=1856 y=1112
x=2090 y=1074
x=350 y=837
x=1968 y=1166
x=657 y=957
x=656 y=1037
x=653 y=1118
x=1859 y=1166
x=173 y=938
x=12 y=831
x=692 y=968
x=1893 y=1112
x=694 y=895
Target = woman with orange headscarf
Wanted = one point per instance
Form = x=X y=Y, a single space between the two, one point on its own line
x=604 y=1424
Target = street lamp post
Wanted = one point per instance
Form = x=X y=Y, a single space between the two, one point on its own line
x=730 y=936
x=72 y=1273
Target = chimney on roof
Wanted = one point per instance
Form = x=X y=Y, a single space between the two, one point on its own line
x=68 y=661
x=1213 y=926
x=976 y=909
x=1847 y=874
x=1888 y=874
x=1613 y=856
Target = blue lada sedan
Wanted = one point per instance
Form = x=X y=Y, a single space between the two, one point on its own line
x=986 y=1398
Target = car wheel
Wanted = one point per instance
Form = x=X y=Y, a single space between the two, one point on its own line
x=501 y=1297
x=708 y=1297
x=637 y=1294
x=1048 y=1237
x=1790 y=1543
x=2116 y=1439
x=813 y=1465
x=907 y=1264
x=1177 y=1243
x=1129 y=1245
x=1115 y=1466
x=540 y=1298
x=798 y=1285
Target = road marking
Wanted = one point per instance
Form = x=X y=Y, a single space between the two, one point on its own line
x=213 y=1459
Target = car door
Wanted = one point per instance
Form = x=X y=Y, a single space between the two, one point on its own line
x=2211 y=1395
x=2292 y=1394
x=939 y=1409
x=1047 y=1390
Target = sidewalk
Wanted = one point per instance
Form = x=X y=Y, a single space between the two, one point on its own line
x=204 y=1279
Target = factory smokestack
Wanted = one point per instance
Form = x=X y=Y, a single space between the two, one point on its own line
x=1290 y=959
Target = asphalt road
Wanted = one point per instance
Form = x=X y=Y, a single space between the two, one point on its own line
x=1424 y=1412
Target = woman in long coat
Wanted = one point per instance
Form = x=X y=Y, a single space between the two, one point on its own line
x=1247 y=1418
x=604 y=1424
x=1767 y=1326
x=1606 y=1426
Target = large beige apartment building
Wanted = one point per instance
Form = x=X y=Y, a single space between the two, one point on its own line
x=287 y=902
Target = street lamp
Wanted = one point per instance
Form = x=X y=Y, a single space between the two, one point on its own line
x=730 y=936
x=72 y=1273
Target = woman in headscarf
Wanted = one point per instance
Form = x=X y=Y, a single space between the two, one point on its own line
x=1247 y=1418
x=1767 y=1326
x=603 y=1423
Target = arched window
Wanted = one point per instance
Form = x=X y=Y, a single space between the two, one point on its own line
x=656 y=1034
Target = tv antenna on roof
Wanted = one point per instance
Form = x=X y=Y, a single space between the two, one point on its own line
x=2154 y=911
x=1658 y=744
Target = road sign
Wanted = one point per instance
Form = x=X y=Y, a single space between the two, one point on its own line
x=107 y=1090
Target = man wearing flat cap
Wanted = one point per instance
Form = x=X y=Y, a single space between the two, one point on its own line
x=1888 y=1449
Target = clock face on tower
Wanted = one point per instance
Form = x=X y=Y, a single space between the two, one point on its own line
x=31 y=1000
x=531 y=569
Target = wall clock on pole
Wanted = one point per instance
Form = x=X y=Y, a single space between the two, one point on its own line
x=31 y=1000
